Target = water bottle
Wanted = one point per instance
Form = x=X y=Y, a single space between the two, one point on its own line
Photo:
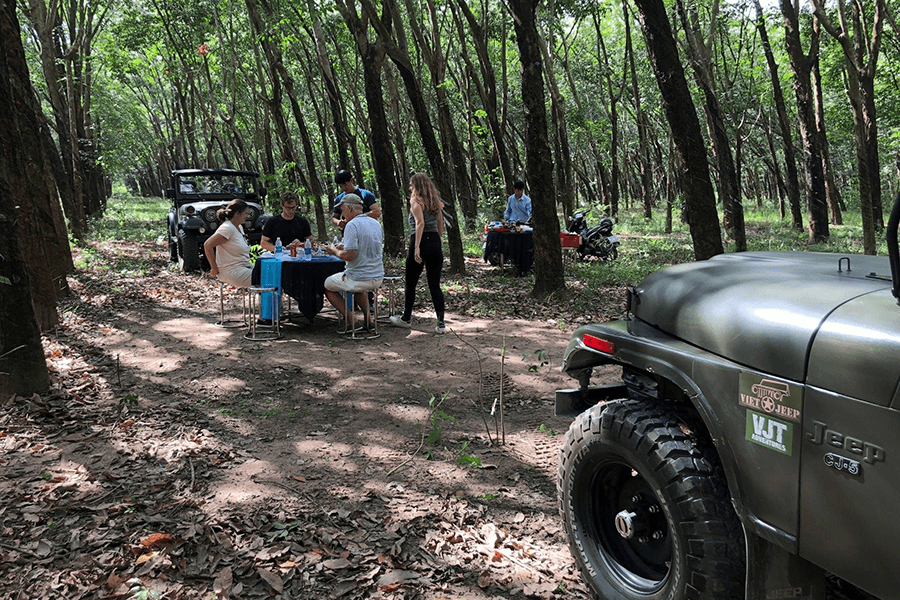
x=336 y=241
x=278 y=246
x=307 y=250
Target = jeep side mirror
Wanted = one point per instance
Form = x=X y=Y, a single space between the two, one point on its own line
x=170 y=193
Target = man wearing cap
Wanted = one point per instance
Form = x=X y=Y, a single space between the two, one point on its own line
x=362 y=251
x=344 y=180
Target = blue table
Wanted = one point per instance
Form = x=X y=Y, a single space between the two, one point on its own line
x=302 y=280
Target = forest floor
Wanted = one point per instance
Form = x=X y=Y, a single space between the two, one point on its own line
x=175 y=459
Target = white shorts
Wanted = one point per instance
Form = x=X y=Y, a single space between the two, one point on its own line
x=339 y=282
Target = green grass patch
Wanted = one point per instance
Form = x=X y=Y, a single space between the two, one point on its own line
x=130 y=218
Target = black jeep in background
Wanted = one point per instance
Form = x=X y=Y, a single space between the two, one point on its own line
x=197 y=194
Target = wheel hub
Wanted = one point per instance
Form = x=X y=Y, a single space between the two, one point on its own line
x=625 y=524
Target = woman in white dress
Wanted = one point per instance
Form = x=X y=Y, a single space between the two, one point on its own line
x=227 y=250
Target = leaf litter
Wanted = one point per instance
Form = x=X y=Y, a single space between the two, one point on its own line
x=160 y=466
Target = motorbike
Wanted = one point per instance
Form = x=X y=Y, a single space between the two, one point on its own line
x=596 y=241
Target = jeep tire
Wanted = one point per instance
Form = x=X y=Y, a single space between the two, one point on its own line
x=646 y=508
x=188 y=250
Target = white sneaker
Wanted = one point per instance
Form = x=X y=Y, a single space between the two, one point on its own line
x=398 y=322
x=440 y=329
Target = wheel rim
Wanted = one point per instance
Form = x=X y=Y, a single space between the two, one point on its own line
x=630 y=528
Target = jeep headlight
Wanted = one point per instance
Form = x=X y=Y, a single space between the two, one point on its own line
x=251 y=216
x=209 y=215
x=188 y=210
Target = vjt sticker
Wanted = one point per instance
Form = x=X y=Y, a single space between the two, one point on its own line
x=770 y=433
x=773 y=397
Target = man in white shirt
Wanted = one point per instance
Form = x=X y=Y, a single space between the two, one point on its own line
x=362 y=251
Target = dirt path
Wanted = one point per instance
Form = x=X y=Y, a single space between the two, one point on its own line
x=176 y=459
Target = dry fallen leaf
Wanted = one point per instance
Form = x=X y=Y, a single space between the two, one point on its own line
x=272 y=579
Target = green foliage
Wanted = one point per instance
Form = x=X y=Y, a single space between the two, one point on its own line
x=130 y=218
x=542 y=357
x=465 y=459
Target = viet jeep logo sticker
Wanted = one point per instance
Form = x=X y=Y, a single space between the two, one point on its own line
x=770 y=433
x=773 y=397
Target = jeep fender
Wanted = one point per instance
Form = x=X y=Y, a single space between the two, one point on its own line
x=774 y=567
x=193 y=222
x=644 y=349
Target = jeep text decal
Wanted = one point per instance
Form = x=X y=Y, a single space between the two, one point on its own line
x=777 y=398
x=771 y=433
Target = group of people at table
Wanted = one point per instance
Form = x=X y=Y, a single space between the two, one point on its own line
x=355 y=213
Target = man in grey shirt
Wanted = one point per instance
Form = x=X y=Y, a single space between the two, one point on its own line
x=362 y=251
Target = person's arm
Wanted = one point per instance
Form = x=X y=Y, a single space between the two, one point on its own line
x=528 y=209
x=348 y=256
x=209 y=248
x=415 y=207
x=508 y=214
x=374 y=211
x=267 y=244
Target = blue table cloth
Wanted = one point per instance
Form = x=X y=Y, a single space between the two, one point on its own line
x=302 y=280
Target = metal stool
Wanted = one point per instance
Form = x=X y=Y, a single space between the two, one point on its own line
x=350 y=319
x=391 y=282
x=231 y=323
x=259 y=332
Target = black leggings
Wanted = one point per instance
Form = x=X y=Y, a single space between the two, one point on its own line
x=432 y=261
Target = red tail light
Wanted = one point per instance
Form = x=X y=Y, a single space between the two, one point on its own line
x=598 y=344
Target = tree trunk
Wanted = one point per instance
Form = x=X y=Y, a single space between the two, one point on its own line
x=700 y=201
x=815 y=180
x=396 y=50
x=701 y=62
x=792 y=178
x=548 y=269
x=23 y=369
x=487 y=89
x=861 y=57
x=831 y=190
x=380 y=140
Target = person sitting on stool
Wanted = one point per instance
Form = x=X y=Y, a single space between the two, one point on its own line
x=362 y=251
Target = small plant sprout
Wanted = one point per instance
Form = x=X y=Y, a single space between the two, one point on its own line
x=542 y=357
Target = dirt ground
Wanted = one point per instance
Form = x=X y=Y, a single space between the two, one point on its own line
x=175 y=459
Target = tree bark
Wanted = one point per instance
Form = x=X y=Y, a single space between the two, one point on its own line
x=372 y=55
x=23 y=369
x=792 y=178
x=701 y=61
x=861 y=58
x=548 y=269
x=700 y=201
x=815 y=180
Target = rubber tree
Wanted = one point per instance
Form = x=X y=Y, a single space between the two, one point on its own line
x=548 y=269
x=690 y=149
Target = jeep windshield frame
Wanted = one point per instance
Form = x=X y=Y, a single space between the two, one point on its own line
x=192 y=185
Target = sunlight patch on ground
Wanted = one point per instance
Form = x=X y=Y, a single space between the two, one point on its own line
x=199 y=333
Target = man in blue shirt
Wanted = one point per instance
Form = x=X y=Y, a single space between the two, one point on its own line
x=344 y=180
x=518 y=207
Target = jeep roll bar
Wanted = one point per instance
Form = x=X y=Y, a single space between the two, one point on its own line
x=893 y=250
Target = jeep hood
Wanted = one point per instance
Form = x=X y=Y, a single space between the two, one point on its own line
x=731 y=304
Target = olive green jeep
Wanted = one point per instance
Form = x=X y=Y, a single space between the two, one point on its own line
x=747 y=450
